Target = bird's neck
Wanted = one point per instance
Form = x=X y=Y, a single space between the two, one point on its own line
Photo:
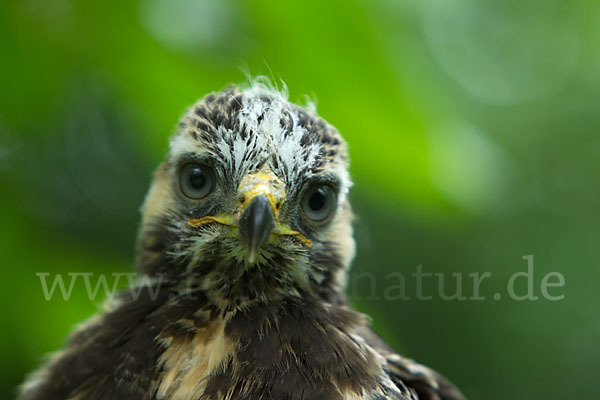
x=234 y=288
x=244 y=297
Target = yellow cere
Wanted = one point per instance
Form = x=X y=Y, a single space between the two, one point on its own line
x=262 y=183
x=252 y=185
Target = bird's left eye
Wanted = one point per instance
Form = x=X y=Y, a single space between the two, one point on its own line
x=196 y=181
x=318 y=203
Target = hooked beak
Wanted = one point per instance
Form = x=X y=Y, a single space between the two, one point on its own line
x=257 y=214
x=256 y=224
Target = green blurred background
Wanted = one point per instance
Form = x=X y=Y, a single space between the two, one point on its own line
x=473 y=127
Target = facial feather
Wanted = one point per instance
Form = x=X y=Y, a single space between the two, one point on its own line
x=238 y=132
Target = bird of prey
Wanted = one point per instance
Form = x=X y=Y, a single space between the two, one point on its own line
x=245 y=240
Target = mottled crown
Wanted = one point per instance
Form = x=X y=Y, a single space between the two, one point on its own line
x=242 y=131
x=249 y=128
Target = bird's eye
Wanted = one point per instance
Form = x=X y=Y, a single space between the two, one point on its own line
x=196 y=181
x=319 y=203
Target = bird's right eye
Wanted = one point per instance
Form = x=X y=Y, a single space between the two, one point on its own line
x=196 y=181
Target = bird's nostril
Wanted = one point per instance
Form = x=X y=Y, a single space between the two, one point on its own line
x=242 y=199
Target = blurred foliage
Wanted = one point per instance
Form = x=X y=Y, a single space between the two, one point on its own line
x=473 y=129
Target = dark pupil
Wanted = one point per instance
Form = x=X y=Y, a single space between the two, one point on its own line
x=317 y=199
x=197 y=178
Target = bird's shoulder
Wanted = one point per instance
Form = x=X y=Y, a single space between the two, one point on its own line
x=415 y=381
x=154 y=347
x=112 y=355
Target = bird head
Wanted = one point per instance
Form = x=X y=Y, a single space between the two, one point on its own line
x=251 y=202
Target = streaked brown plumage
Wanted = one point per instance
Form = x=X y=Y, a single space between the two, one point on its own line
x=246 y=235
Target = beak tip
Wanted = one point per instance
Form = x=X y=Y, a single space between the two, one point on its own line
x=252 y=256
x=256 y=224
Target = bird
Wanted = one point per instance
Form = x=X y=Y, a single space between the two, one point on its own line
x=243 y=251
